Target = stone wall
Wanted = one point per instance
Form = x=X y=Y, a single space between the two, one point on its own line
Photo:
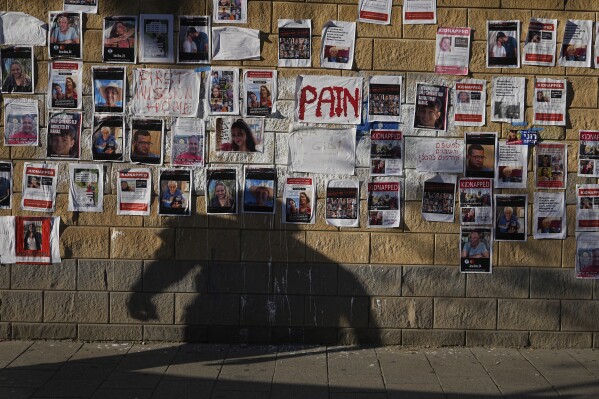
x=250 y=278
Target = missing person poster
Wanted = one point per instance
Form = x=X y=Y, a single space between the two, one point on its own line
x=65 y=37
x=539 y=48
x=239 y=134
x=21 y=122
x=507 y=100
x=577 y=44
x=511 y=165
x=119 y=42
x=511 y=217
x=480 y=154
x=64 y=84
x=587 y=207
x=383 y=204
x=156 y=38
x=438 y=198
x=320 y=150
x=549 y=218
x=86 y=183
x=384 y=99
x=419 y=12
x=550 y=166
x=175 y=192
x=221 y=191
x=64 y=135
x=503 y=44
x=452 y=55
x=338 y=40
x=299 y=199
x=36 y=240
x=550 y=102
x=588 y=153
x=194 y=40
x=295 y=43
x=342 y=203
x=431 y=107
x=17 y=70
x=108 y=138
x=188 y=141
x=230 y=11
x=439 y=155
x=386 y=149
x=39 y=187
x=165 y=92
x=146 y=141
x=471 y=102
x=86 y=6
x=587 y=255
x=133 y=192
x=6 y=185
x=232 y=43
x=375 y=11
x=259 y=190
x=222 y=95
x=476 y=201
x=328 y=99
x=109 y=89
x=260 y=92
x=476 y=249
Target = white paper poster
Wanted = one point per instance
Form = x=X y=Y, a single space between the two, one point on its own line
x=587 y=255
x=471 y=102
x=328 y=99
x=384 y=99
x=21 y=122
x=476 y=201
x=480 y=154
x=549 y=220
x=588 y=153
x=194 y=40
x=156 y=38
x=375 y=11
x=20 y=29
x=299 y=199
x=438 y=198
x=86 y=6
x=503 y=44
x=119 y=39
x=259 y=190
x=188 y=142
x=229 y=11
x=17 y=70
x=539 y=48
x=511 y=165
x=6 y=185
x=343 y=203
x=511 y=218
x=39 y=187
x=507 y=101
x=222 y=93
x=476 y=249
x=386 y=153
x=419 y=12
x=430 y=111
x=576 y=45
x=551 y=165
x=233 y=43
x=384 y=204
x=550 y=102
x=260 y=92
x=239 y=135
x=221 y=191
x=295 y=43
x=64 y=84
x=29 y=240
x=86 y=182
x=440 y=155
x=452 y=51
x=587 y=207
x=134 y=190
x=65 y=38
x=175 y=192
x=338 y=41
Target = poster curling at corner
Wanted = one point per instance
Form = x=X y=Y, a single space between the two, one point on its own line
x=30 y=240
x=587 y=207
x=384 y=98
x=470 y=108
x=134 y=191
x=338 y=45
x=299 y=199
x=549 y=104
x=549 y=217
x=539 y=48
x=438 y=198
x=587 y=251
x=295 y=43
x=20 y=29
x=328 y=99
x=476 y=249
x=321 y=150
x=39 y=187
x=384 y=204
x=452 y=51
x=375 y=11
x=343 y=203
x=577 y=44
x=439 y=155
x=156 y=38
x=419 y=12
x=231 y=43
x=86 y=183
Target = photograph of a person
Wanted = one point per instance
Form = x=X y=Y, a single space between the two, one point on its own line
x=431 y=107
x=17 y=69
x=65 y=91
x=194 y=41
x=64 y=133
x=480 y=154
x=463 y=97
x=146 y=142
x=32 y=241
x=239 y=134
x=299 y=206
x=65 y=35
x=119 y=44
x=337 y=54
x=5 y=185
x=510 y=217
x=175 y=192
x=259 y=190
x=33 y=182
x=476 y=246
x=503 y=50
x=108 y=94
x=547 y=225
x=21 y=130
x=221 y=191
x=188 y=150
x=476 y=250
x=105 y=142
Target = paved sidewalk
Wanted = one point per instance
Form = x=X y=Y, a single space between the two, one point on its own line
x=119 y=370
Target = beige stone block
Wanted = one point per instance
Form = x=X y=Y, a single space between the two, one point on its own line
x=469 y=3
x=571 y=220
x=535 y=4
x=211 y=244
x=174 y=7
x=401 y=54
x=569 y=252
x=259 y=16
x=363 y=54
x=84 y=242
x=136 y=243
x=402 y=248
x=108 y=217
x=318 y=13
x=592 y=5
x=478 y=17
x=273 y=246
x=393 y=30
x=447 y=250
x=446 y=17
x=581 y=119
x=415 y=223
x=573 y=157
x=542 y=253
x=339 y=247
x=41 y=78
x=92 y=45
x=268 y=53
x=38 y=9
x=478 y=60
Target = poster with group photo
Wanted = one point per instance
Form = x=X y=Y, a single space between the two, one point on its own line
x=188 y=141
x=109 y=89
x=587 y=255
x=21 y=122
x=384 y=99
x=588 y=153
x=239 y=134
x=511 y=165
x=550 y=102
x=587 y=207
x=295 y=43
x=39 y=187
x=476 y=249
x=64 y=84
x=223 y=91
x=549 y=218
x=6 y=185
x=299 y=199
x=383 y=204
x=431 y=107
x=343 y=203
x=577 y=44
x=539 y=48
x=64 y=135
x=230 y=11
x=146 y=141
x=375 y=11
x=86 y=6
x=133 y=192
x=17 y=70
x=480 y=154
x=65 y=35
x=259 y=190
x=36 y=240
x=386 y=149
x=221 y=191
x=86 y=183
x=439 y=155
x=507 y=99
x=503 y=44
x=476 y=201
x=470 y=106
x=119 y=42
x=550 y=165
x=108 y=138
x=175 y=192
x=338 y=41
x=438 y=198
x=156 y=38
x=260 y=92
x=194 y=40
x=511 y=217
x=452 y=55
x=419 y=12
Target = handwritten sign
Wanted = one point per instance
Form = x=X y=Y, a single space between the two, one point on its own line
x=440 y=155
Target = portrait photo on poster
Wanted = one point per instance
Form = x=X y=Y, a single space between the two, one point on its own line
x=64 y=85
x=194 y=40
x=259 y=190
x=338 y=41
x=108 y=138
x=431 y=107
x=175 y=192
x=134 y=192
x=476 y=249
x=64 y=135
x=146 y=141
x=480 y=154
x=299 y=197
x=503 y=44
x=221 y=191
x=511 y=218
x=119 y=39
x=239 y=134
x=188 y=141
x=17 y=70
x=6 y=185
x=109 y=89
x=260 y=92
x=21 y=122
x=65 y=35
x=39 y=187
